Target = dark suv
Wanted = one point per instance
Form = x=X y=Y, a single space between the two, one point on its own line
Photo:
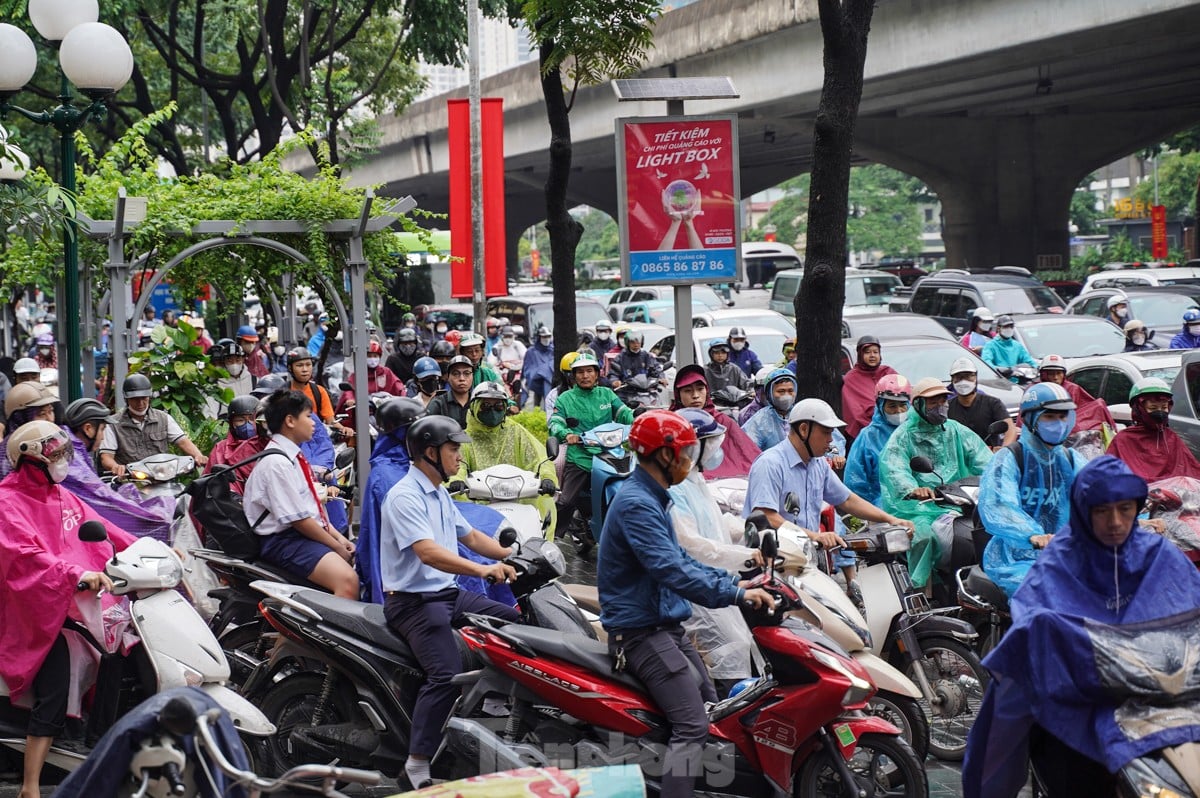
x=951 y=294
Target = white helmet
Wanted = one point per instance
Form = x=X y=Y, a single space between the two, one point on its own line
x=817 y=411
x=42 y=441
x=760 y=377
x=1117 y=299
x=963 y=365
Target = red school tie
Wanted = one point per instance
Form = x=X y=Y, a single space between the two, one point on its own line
x=312 y=487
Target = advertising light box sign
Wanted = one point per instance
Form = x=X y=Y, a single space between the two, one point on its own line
x=677 y=179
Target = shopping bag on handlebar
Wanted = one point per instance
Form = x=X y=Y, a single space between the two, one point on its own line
x=217 y=509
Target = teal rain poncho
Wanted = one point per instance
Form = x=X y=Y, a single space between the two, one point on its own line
x=508 y=443
x=955 y=451
x=1016 y=506
x=862 y=464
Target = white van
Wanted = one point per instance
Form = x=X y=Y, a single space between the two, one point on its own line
x=1125 y=278
x=763 y=259
x=867 y=291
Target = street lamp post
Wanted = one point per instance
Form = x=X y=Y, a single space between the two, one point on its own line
x=97 y=60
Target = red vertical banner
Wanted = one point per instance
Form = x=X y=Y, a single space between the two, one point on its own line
x=1158 y=232
x=495 y=252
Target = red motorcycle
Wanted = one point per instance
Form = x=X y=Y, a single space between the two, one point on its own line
x=1176 y=501
x=798 y=731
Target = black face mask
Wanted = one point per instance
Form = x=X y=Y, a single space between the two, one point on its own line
x=1159 y=416
x=429 y=385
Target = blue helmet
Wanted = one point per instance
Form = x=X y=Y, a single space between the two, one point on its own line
x=1191 y=316
x=426 y=367
x=1046 y=396
x=777 y=375
x=702 y=422
x=247 y=331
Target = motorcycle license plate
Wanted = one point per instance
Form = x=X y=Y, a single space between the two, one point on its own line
x=844 y=734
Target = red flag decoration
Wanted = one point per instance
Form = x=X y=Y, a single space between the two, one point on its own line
x=495 y=252
x=1158 y=232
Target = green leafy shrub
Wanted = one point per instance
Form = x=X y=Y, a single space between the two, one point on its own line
x=534 y=421
x=182 y=376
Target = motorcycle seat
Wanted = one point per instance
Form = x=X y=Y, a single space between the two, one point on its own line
x=590 y=654
x=979 y=584
x=365 y=621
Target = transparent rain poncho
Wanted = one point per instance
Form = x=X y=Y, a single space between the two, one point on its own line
x=955 y=451
x=1016 y=504
x=508 y=443
x=703 y=531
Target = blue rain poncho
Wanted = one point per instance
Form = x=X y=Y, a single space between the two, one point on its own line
x=862 y=465
x=955 y=451
x=1015 y=505
x=1088 y=618
x=766 y=428
x=1005 y=353
x=703 y=531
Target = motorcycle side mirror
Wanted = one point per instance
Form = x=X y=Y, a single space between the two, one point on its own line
x=93 y=532
x=344 y=458
x=552 y=448
x=756 y=523
x=791 y=503
x=507 y=537
x=769 y=546
x=921 y=465
x=177 y=717
x=995 y=428
x=345 y=386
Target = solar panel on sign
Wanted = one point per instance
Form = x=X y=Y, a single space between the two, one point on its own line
x=674 y=88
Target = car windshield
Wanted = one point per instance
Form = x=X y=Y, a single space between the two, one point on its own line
x=1180 y=281
x=1166 y=374
x=1071 y=337
x=762 y=318
x=932 y=359
x=587 y=314
x=454 y=320
x=1024 y=299
x=1163 y=311
x=874 y=290
x=707 y=297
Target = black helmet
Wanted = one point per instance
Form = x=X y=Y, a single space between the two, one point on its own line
x=297 y=355
x=136 y=386
x=242 y=406
x=81 y=411
x=406 y=336
x=441 y=349
x=865 y=341
x=269 y=384
x=217 y=352
x=433 y=431
x=397 y=413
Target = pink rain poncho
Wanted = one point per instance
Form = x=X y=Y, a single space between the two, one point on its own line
x=41 y=560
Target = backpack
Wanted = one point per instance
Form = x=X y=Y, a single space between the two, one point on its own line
x=218 y=509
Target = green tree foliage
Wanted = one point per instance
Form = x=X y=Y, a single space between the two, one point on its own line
x=248 y=72
x=586 y=42
x=1083 y=212
x=182 y=375
x=238 y=192
x=1178 y=174
x=884 y=215
x=33 y=212
x=789 y=215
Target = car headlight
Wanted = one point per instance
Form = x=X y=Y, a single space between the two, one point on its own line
x=504 y=488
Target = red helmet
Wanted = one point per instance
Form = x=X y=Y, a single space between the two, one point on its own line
x=893 y=387
x=655 y=429
x=374 y=348
x=453 y=336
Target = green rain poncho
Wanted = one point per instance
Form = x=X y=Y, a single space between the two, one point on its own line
x=955 y=451
x=508 y=443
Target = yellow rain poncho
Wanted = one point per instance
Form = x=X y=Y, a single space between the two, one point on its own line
x=508 y=443
x=955 y=451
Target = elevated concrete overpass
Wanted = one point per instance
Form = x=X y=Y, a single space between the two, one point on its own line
x=1000 y=106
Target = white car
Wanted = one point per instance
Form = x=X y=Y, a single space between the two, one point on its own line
x=1126 y=278
x=701 y=294
x=765 y=342
x=744 y=317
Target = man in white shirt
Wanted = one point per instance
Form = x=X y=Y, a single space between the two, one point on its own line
x=280 y=501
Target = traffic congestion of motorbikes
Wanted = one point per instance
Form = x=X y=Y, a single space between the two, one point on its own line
x=924 y=574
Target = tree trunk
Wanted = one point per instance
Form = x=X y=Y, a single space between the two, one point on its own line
x=844 y=27
x=563 y=228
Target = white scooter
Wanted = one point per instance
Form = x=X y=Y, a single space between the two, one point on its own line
x=834 y=613
x=176 y=642
x=502 y=487
x=158 y=474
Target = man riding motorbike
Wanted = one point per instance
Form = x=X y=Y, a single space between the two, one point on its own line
x=470 y=346
x=140 y=430
x=769 y=425
x=380 y=379
x=427 y=381
x=892 y=396
x=1084 y=681
x=408 y=351
x=240 y=415
x=632 y=361
x=538 y=367
x=45 y=562
x=1137 y=337
x=955 y=452
x=1024 y=495
x=740 y=353
x=1005 y=352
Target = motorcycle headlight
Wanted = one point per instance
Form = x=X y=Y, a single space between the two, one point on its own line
x=163 y=472
x=859 y=690
x=863 y=633
x=896 y=540
x=170 y=570
x=554 y=557
x=610 y=439
x=504 y=488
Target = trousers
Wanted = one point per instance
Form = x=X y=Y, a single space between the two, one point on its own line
x=676 y=678
x=425 y=621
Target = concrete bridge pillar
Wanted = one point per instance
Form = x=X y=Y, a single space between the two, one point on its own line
x=1006 y=183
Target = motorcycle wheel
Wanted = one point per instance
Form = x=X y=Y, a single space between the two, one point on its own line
x=906 y=715
x=291 y=703
x=954 y=672
x=882 y=765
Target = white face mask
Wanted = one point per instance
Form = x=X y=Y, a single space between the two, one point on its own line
x=507 y=340
x=1194 y=329
x=714 y=453
x=235 y=369
x=602 y=335
x=58 y=470
x=372 y=362
x=1139 y=339
x=1007 y=332
x=964 y=387
x=738 y=346
x=441 y=329
x=896 y=419
x=1121 y=312
x=985 y=326
x=544 y=340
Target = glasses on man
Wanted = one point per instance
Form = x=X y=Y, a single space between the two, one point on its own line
x=491 y=406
